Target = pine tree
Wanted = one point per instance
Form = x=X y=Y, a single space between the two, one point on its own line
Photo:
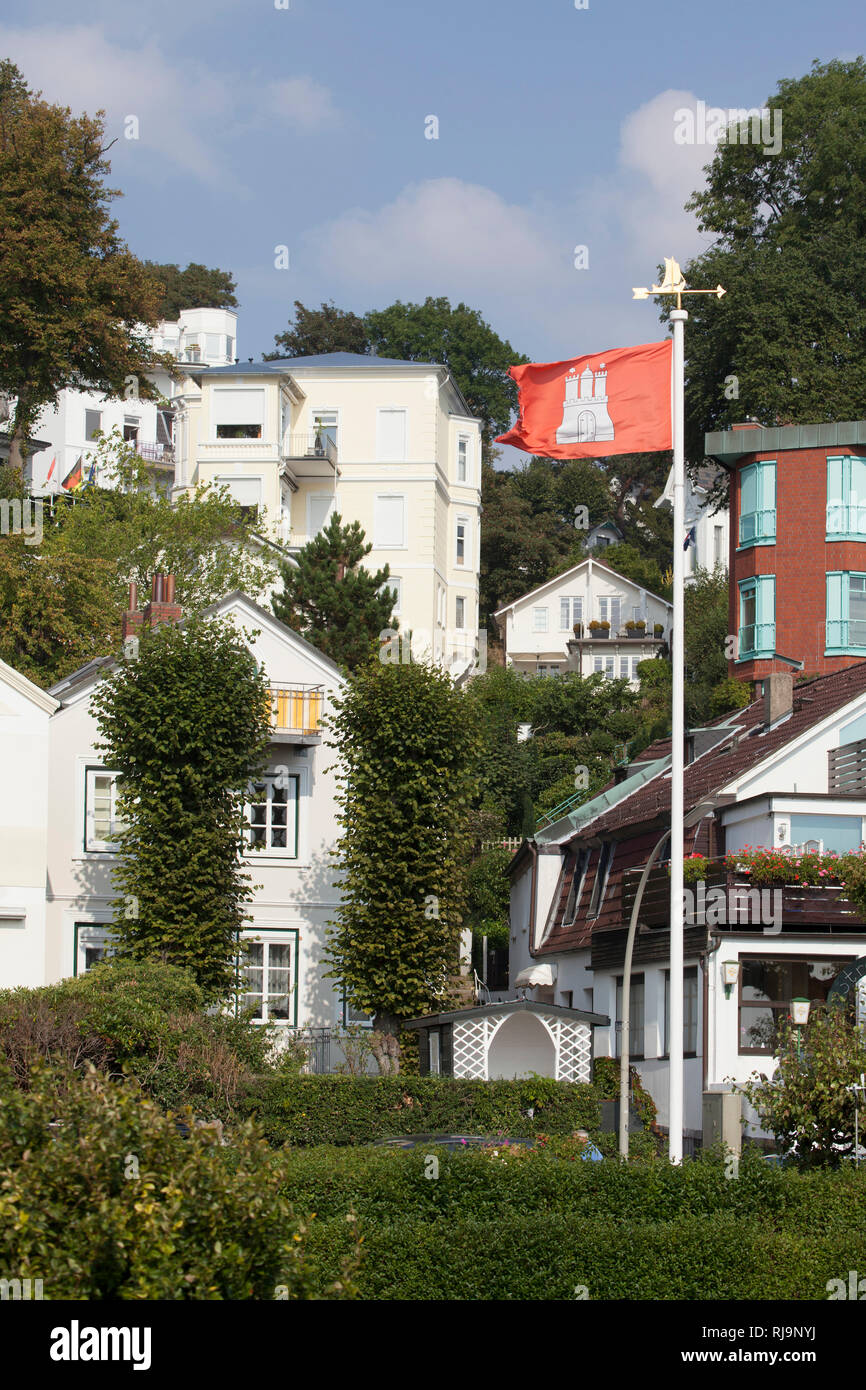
x=332 y=600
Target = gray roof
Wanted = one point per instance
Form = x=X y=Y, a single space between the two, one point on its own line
x=726 y=446
x=324 y=359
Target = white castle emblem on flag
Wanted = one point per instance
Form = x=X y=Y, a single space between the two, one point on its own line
x=584 y=414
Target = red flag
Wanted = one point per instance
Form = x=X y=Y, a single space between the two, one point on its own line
x=616 y=402
x=51 y=469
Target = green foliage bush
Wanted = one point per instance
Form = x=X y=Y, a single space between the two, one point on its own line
x=361 y=1109
x=536 y=1225
x=142 y=1017
x=102 y=1196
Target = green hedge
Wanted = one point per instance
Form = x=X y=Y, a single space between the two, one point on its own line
x=548 y=1256
x=359 y=1110
x=535 y=1226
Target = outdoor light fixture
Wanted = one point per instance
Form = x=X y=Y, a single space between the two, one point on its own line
x=800 y=1011
x=730 y=975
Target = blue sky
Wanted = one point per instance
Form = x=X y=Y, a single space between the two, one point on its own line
x=260 y=127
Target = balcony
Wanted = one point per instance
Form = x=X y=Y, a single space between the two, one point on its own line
x=156 y=453
x=309 y=454
x=296 y=714
x=756 y=639
x=726 y=900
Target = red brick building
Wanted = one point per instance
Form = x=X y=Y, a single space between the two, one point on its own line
x=798 y=545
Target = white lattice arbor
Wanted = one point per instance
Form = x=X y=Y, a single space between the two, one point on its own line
x=473 y=1036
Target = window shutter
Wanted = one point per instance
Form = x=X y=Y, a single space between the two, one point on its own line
x=237 y=407
x=837 y=609
x=247 y=492
x=392 y=436
x=390 y=522
x=320 y=510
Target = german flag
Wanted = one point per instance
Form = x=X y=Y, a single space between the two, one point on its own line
x=73 y=479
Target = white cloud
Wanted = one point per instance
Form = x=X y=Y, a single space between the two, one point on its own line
x=80 y=68
x=442 y=235
x=302 y=101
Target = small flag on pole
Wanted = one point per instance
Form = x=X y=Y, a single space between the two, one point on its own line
x=73 y=478
x=616 y=402
x=51 y=469
x=691 y=538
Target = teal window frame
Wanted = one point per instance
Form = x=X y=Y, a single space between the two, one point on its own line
x=757 y=520
x=846 y=498
x=757 y=639
x=840 y=627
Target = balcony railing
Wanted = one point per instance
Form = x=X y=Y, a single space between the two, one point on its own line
x=758 y=526
x=728 y=899
x=296 y=709
x=844 y=632
x=155 y=453
x=310 y=444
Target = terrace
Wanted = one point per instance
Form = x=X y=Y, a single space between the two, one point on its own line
x=727 y=899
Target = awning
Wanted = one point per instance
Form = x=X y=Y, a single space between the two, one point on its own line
x=536 y=975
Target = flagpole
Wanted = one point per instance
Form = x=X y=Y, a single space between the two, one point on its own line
x=675 y=1028
x=674 y=284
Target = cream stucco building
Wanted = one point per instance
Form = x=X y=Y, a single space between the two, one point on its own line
x=389 y=444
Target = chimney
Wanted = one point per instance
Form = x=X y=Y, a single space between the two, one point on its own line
x=778 y=697
x=132 y=619
x=160 y=609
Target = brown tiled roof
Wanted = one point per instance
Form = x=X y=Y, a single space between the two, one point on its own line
x=648 y=807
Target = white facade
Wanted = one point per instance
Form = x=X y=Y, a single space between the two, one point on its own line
x=708 y=531
x=293 y=809
x=539 y=627
x=390 y=445
x=25 y=712
x=208 y=336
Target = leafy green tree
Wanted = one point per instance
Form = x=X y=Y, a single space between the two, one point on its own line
x=74 y=297
x=808 y=1105
x=197 y=287
x=408 y=753
x=332 y=600
x=56 y=610
x=520 y=548
x=459 y=338
x=186 y=724
x=787 y=344
x=327 y=329
x=628 y=559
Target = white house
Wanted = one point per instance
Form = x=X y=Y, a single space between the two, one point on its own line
x=589 y=619
x=25 y=712
x=707 y=531
x=291 y=811
x=389 y=444
x=784 y=772
x=67 y=431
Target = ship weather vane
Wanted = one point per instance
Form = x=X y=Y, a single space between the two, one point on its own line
x=674 y=283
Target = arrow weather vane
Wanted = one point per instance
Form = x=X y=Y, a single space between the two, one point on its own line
x=674 y=283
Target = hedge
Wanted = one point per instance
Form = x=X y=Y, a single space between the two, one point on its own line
x=359 y=1110
x=551 y=1256
x=534 y=1226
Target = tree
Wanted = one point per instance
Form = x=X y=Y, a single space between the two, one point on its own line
x=74 y=297
x=332 y=600
x=327 y=329
x=62 y=602
x=408 y=752
x=808 y=1105
x=459 y=339
x=520 y=547
x=185 y=723
x=634 y=563
x=787 y=344
x=197 y=287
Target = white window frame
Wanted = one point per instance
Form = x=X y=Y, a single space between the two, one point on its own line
x=540 y=620
x=220 y=394
x=88 y=435
x=266 y=938
x=293 y=848
x=460 y=612
x=362 y=1021
x=466 y=523
x=402 y=454
x=575 y=607
x=318 y=413
x=378 y=544
x=92 y=845
x=463 y=439
x=89 y=936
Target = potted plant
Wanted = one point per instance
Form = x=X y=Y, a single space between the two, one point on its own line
x=658 y=629
x=599 y=629
x=635 y=627
x=577 y=629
